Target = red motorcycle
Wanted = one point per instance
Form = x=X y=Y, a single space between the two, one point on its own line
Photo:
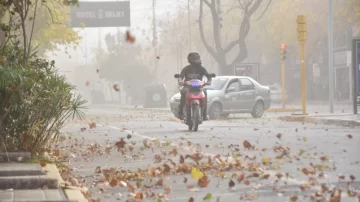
x=195 y=102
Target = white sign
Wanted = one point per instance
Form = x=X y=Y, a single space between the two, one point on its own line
x=316 y=70
x=342 y=58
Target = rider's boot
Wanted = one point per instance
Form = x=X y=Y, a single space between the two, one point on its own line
x=205 y=116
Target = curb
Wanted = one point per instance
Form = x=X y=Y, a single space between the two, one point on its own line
x=53 y=172
x=319 y=120
x=283 y=110
x=72 y=193
x=75 y=195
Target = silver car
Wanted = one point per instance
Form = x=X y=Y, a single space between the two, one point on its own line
x=232 y=94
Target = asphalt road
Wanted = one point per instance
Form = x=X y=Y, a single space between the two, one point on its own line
x=334 y=150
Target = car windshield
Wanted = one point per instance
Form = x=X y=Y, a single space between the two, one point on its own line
x=217 y=84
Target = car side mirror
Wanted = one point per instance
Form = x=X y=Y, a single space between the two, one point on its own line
x=231 y=89
x=213 y=75
x=176 y=76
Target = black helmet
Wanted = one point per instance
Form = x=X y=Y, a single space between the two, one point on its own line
x=194 y=58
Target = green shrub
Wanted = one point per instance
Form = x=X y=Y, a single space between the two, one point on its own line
x=35 y=102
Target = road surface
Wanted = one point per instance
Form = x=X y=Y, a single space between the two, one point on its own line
x=274 y=164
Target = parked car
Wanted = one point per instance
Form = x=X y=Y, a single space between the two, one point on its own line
x=276 y=93
x=232 y=94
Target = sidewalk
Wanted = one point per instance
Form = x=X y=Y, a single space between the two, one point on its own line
x=345 y=119
x=31 y=182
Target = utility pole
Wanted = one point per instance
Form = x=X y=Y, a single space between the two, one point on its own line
x=155 y=42
x=331 y=57
x=189 y=25
x=301 y=30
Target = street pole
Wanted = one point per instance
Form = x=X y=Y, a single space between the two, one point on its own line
x=303 y=77
x=99 y=30
x=189 y=25
x=155 y=42
x=219 y=15
x=331 y=55
x=283 y=84
x=301 y=30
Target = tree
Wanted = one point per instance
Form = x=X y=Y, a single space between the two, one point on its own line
x=52 y=28
x=38 y=21
x=248 y=8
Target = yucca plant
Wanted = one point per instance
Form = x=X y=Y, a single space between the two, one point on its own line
x=35 y=102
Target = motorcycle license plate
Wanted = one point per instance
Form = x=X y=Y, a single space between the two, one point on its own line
x=195 y=83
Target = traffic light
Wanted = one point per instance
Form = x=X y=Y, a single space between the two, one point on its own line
x=301 y=27
x=283 y=52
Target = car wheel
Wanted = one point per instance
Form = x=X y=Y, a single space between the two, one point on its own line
x=215 y=111
x=258 y=110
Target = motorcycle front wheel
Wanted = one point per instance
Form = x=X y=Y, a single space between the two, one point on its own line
x=195 y=116
x=188 y=120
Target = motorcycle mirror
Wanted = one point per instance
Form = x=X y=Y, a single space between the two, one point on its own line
x=212 y=75
x=177 y=76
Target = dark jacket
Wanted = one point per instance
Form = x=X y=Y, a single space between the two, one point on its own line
x=194 y=72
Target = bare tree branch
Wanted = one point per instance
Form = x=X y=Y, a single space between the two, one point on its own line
x=208 y=48
x=266 y=8
x=243 y=32
x=254 y=8
x=231 y=45
x=208 y=3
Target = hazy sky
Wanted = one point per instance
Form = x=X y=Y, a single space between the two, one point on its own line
x=141 y=16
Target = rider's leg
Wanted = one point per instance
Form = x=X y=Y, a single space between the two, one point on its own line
x=182 y=103
x=205 y=107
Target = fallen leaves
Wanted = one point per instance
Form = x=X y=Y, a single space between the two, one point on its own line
x=42 y=163
x=113 y=183
x=204 y=181
x=265 y=160
x=293 y=198
x=120 y=144
x=325 y=158
x=207 y=197
x=196 y=173
x=247 y=145
x=92 y=125
x=308 y=171
x=139 y=196
x=231 y=183
x=240 y=176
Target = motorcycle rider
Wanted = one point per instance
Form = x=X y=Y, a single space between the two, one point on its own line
x=193 y=71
